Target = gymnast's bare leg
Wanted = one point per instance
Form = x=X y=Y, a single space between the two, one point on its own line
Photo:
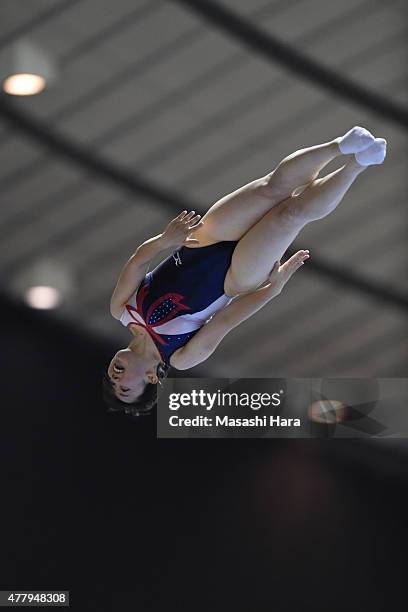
x=267 y=214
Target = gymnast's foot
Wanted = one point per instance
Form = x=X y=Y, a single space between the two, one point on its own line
x=355 y=140
x=375 y=154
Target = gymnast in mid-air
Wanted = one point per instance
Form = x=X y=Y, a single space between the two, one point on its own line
x=223 y=267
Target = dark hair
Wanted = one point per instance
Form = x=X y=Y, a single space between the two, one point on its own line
x=144 y=404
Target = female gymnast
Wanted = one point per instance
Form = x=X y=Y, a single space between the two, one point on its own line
x=224 y=268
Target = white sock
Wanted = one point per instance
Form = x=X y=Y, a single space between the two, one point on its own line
x=355 y=140
x=375 y=154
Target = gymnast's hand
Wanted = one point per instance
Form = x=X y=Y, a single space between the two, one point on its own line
x=280 y=274
x=178 y=229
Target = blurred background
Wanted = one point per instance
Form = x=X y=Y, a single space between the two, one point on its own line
x=128 y=112
x=182 y=106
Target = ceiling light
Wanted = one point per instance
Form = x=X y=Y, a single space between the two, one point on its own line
x=24 y=84
x=26 y=68
x=45 y=283
x=43 y=297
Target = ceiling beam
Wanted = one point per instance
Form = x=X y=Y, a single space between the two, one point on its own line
x=295 y=61
x=26 y=28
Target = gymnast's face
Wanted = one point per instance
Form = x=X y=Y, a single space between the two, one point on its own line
x=129 y=374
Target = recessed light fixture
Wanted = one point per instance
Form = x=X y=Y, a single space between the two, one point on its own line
x=24 y=84
x=45 y=283
x=25 y=68
x=43 y=297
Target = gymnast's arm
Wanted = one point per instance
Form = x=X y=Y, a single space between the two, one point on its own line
x=206 y=340
x=176 y=233
x=209 y=336
x=134 y=271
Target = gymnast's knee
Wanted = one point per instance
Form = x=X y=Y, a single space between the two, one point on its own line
x=235 y=287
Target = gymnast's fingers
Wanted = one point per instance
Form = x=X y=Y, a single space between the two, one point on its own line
x=294 y=262
x=188 y=217
x=181 y=215
x=192 y=219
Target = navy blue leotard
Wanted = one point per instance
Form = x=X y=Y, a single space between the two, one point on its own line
x=180 y=294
